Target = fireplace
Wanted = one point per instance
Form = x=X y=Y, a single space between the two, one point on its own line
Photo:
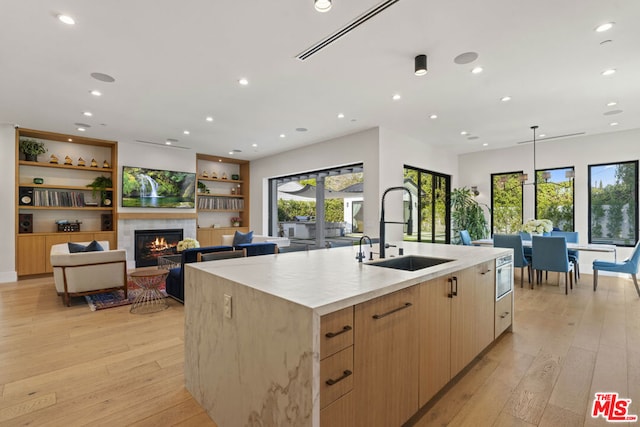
x=151 y=244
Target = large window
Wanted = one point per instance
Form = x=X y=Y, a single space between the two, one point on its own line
x=432 y=212
x=613 y=203
x=506 y=202
x=554 y=197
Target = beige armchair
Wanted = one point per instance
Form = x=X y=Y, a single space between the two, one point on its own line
x=84 y=273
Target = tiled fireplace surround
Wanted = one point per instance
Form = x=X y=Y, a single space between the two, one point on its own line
x=127 y=227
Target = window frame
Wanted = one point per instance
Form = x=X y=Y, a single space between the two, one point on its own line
x=573 y=193
x=492 y=179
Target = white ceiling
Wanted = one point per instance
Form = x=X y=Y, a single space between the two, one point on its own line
x=177 y=62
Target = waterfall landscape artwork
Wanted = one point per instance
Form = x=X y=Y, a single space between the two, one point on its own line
x=153 y=188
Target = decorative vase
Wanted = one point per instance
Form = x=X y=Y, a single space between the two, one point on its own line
x=31 y=157
x=236 y=224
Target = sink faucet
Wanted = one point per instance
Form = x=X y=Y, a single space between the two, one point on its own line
x=383 y=222
x=360 y=255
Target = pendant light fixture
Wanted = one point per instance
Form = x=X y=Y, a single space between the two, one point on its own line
x=322 y=5
x=420 y=63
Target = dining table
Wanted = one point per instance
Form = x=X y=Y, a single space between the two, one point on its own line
x=590 y=247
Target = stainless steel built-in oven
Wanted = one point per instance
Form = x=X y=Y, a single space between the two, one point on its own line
x=504 y=276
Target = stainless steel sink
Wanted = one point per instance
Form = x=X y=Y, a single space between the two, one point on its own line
x=410 y=262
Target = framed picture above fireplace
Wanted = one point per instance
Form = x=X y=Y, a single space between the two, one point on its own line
x=156 y=188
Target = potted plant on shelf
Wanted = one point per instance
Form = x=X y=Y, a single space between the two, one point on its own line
x=467 y=214
x=235 y=221
x=99 y=186
x=31 y=148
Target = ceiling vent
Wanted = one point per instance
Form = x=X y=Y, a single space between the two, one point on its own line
x=163 y=144
x=551 y=137
x=345 y=30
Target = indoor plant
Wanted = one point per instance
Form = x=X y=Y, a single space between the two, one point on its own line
x=537 y=226
x=99 y=186
x=467 y=214
x=235 y=221
x=187 y=243
x=31 y=148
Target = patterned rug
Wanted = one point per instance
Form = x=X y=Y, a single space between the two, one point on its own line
x=116 y=298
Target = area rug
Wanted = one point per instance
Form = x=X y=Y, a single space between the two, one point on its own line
x=116 y=298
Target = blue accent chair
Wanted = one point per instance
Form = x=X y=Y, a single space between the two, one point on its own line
x=629 y=266
x=550 y=254
x=526 y=236
x=175 y=279
x=258 y=248
x=514 y=241
x=465 y=238
x=574 y=257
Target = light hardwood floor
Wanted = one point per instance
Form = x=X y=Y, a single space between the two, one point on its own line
x=67 y=367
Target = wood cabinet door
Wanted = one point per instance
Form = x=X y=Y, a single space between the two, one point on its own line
x=463 y=319
x=435 y=337
x=31 y=255
x=386 y=359
x=485 y=304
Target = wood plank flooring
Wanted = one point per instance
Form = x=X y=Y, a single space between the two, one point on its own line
x=67 y=367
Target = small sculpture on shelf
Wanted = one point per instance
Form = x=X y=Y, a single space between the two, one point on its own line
x=53 y=159
x=214 y=175
x=105 y=164
x=81 y=162
x=94 y=164
x=68 y=161
x=205 y=174
x=224 y=175
x=235 y=177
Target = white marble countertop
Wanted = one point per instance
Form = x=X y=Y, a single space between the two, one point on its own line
x=327 y=280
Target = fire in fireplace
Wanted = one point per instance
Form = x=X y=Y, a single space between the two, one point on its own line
x=151 y=244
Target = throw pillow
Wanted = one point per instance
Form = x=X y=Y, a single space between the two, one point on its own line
x=91 y=247
x=240 y=238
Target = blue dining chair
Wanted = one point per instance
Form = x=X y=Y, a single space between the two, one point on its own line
x=465 y=238
x=572 y=237
x=550 y=254
x=629 y=266
x=526 y=236
x=514 y=241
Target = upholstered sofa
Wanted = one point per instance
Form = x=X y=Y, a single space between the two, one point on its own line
x=281 y=242
x=85 y=273
x=175 y=279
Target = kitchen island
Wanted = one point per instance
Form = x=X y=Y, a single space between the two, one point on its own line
x=317 y=339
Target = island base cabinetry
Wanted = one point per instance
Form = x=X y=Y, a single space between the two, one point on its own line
x=386 y=359
x=504 y=314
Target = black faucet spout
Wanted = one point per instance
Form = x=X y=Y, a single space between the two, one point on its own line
x=360 y=255
x=383 y=222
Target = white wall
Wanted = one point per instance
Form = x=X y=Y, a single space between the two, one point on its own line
x=8 y=199
x=476 y=169
x=361 y=147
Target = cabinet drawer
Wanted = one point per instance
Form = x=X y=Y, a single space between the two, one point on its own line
x=340 y=413
x=336 y=331
x=504 y=314
x=336 y=376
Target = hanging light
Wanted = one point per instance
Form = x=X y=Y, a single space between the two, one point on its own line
x=420 y=65
x=523 y=176
x=322 y=5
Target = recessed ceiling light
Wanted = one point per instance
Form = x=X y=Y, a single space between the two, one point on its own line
x=613 y=124
x=464 y=132
x=542 y=135
x=611 y=104
x=505 y=99
x=485 y=144
x=243 y=81
x=477 y=70
x=322 y=5
x=96 y=93
x=396 y=97
x=167 y=142
x=209 y=119
x=231 y=153
x=83 y=129
x=341 y=116
x=604 y=27
x=433 y=116
x=609 y=72
x=66 y=19
x=254 y=145
x=282 y=135
x=70 y=139
x=186 y=132
x=88 y=113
